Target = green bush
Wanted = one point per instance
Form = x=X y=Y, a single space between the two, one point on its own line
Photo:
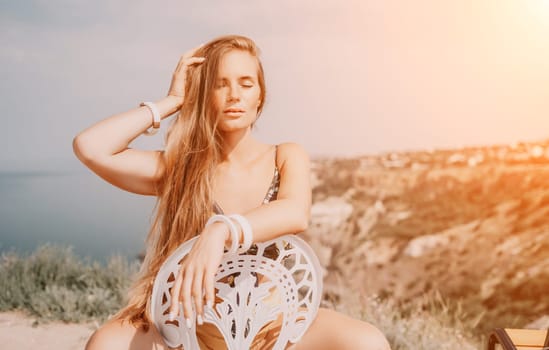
x=54 y=284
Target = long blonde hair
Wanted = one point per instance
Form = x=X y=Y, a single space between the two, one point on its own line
x=193 y=149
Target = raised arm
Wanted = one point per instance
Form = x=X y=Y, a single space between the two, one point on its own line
x=103 y=147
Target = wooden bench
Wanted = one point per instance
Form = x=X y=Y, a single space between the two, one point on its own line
x=518 y=339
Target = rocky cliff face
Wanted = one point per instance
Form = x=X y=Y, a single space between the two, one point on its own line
x=471 y=223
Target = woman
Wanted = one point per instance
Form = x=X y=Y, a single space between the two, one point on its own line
x=211 y=161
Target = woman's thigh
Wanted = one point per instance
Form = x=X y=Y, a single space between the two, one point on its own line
x=115 y=335
x=334 y=330
x=330 y=330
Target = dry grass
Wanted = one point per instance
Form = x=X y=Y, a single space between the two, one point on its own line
x=427 y=323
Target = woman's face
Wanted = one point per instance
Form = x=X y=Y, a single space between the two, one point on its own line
x=237 y=91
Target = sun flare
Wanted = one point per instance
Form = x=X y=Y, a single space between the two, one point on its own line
x=539 y=7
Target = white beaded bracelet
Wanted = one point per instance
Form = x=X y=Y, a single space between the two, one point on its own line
x=232 y=228
x=156 y=118
x=246 y=232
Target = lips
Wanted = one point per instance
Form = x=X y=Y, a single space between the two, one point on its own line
x=233 y=110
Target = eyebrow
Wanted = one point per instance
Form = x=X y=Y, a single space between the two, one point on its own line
x=245 y=77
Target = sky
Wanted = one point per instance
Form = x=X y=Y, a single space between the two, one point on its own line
x=344 y=78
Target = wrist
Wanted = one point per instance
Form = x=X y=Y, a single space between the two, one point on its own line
x=169 y=105
x=245 y=234
x=227 y=231
x=222 y=231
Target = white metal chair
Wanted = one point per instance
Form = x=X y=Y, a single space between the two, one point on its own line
x=280 y=277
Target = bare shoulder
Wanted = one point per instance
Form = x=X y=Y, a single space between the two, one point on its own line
x=291 y=152
x=294 y=165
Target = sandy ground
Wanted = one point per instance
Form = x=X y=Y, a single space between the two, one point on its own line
x=17 y=332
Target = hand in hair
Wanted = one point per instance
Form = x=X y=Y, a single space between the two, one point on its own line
x=179 y=77
x=195 y=279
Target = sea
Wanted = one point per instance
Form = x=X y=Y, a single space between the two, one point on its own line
x=76 y=209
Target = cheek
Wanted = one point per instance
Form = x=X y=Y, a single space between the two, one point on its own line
x=254 y=97
x=217 y=100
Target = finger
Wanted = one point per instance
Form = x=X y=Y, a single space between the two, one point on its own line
x=192 y=51
x=186 y=296
x=198 y=296
x=209 y=279
x=194 y=60
x=185 y=62
x=175 y=292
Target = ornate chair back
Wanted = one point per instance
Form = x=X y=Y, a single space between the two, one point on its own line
x=274 y=281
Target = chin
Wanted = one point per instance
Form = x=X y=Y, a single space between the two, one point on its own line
x=235 y=124
x=234 y=128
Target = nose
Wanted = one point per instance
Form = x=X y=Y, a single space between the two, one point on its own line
x=234 y=92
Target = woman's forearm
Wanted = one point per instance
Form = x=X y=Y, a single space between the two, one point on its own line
x=277 y=218
x=290 y=213
x=113 y=134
